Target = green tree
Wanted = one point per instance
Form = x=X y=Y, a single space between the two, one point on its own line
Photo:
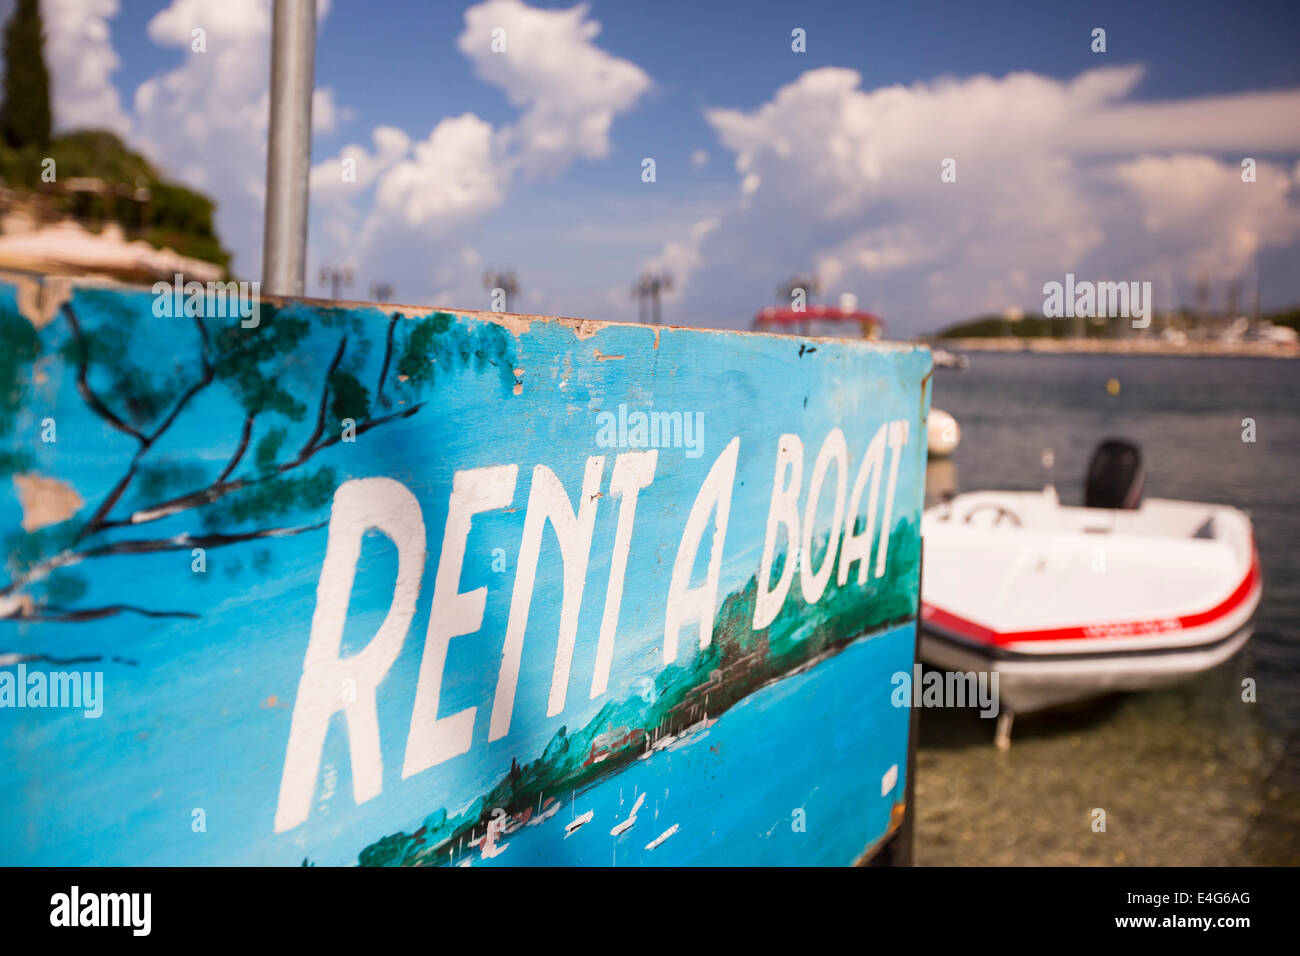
x=25 y=112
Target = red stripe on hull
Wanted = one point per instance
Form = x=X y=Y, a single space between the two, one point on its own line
x=945 y=620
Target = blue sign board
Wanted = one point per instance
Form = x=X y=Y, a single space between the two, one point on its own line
x=297 y=582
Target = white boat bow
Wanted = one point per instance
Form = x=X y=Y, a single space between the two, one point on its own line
x=1069 y=602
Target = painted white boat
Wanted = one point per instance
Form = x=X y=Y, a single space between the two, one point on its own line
x=1066 y=603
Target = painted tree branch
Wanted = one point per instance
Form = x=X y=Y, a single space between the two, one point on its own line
x=181 y=542
x=97 y=519
x=238 y=456
x=83 y=385
x=324 y=400
x=219 y=489
x=100 y=519
x=49 y=613
x=8 y=660
x=388 y=358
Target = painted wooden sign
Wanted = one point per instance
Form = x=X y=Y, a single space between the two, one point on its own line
x=293 y=582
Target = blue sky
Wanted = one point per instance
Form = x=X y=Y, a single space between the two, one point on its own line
x=1114 y=165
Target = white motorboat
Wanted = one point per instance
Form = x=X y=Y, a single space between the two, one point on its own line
x=1066 y=603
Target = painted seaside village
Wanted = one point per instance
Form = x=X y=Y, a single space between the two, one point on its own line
x=520 y=433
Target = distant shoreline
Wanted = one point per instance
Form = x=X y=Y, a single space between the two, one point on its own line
x=1136 y=346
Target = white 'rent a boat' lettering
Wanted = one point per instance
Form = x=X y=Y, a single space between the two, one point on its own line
x=783 y=515
x=331 y=683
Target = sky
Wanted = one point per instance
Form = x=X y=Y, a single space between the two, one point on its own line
x=1122 y=165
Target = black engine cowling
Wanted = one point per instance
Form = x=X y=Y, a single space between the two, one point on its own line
x=1115 y=476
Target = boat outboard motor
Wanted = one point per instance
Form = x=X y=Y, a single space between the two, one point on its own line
x=1115 y=476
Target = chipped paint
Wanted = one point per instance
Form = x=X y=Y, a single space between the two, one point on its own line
x=45 y=501
x=583 y=328
x=39 y=301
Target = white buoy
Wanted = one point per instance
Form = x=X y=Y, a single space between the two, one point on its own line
x=942 y=434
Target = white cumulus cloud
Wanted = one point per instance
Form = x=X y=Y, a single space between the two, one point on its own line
x=547 y=64
x=1051 y=176
x=80 y=56
x=424 y=202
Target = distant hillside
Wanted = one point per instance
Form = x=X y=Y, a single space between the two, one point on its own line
x=1038 y=327
x=1031 y=326
x=97 y=179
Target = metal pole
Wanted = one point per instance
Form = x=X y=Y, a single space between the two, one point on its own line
x=288 y=154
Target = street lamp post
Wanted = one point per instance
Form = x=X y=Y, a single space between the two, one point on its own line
x=647 y=291
x=507 y=282
x=337 y=277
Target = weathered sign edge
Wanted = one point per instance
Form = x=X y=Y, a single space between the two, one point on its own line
x=515 y=322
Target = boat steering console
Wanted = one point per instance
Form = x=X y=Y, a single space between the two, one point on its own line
x=1001 y=512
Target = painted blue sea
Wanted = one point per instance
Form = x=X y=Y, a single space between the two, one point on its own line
x=703 y=793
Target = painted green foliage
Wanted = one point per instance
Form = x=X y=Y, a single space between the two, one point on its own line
x=19 y=347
